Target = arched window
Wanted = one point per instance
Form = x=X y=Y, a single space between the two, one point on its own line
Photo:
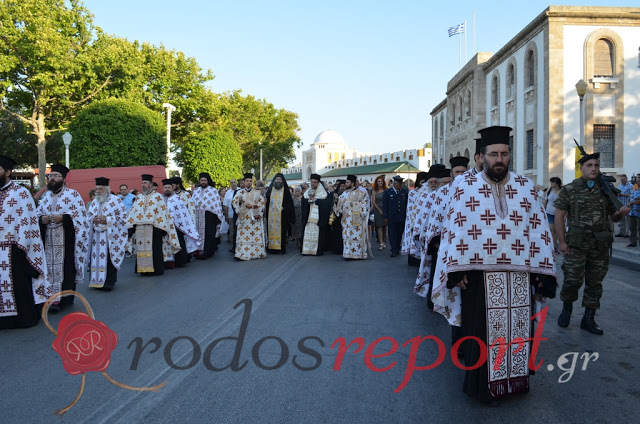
x=453 y=115
x=494 y=91
x=461 y=104
x=435 y=132
x=531 y=69
x=603 y=58
x=466 y=153
x=469 y=103
x=441 y=125
x=511 y=81
x=342 y=156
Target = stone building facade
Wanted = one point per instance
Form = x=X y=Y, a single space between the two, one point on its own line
x=529 y=85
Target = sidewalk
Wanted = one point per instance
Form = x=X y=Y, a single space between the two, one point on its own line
x=622 y=252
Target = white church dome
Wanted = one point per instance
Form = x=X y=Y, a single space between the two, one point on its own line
x=329 y=137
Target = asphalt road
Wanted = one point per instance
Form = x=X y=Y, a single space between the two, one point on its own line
x=283 y=380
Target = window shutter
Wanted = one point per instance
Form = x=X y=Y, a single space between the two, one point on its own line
x=603 y=59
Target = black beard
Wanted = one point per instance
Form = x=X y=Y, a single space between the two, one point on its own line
x=278 y=185
x=3 y=181
x=204 y=185
x=54 y=186
x=495 y=175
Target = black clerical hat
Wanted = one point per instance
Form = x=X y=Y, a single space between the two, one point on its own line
x=459 y=161
x=248 y=175
x=63 y=170
x=583 y=159
x=478 y=145
x=315 y=177
x=443 y=173
x=352 y=178
x=7 y=163
x=147 y=177
x=434 y=171
x=167 y=181
x=102 y=181
x=495 y=135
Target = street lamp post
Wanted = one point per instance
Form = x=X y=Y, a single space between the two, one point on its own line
x=170 y=108
x=260 y=160
x=581 y=88
x=66 y=138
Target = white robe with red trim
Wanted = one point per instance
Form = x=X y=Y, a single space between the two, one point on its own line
x=19 y=227
x=490 y=227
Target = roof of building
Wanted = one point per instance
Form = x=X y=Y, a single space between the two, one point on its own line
x=293 y=176
x=330 y=137
x=379 y=168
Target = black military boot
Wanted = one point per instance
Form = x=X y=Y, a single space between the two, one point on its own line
x=565 y=315
x=588 y=322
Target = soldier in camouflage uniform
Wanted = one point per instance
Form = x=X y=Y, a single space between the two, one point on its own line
x=587 y=241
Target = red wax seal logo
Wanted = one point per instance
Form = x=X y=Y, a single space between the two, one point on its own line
x=84 y=344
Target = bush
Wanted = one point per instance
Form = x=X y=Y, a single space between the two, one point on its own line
x=113 y=133
x=206 y=149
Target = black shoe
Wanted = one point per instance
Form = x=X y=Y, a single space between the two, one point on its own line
x=565 y=315
x=588 y=322
x=632 y=245
x=619 y=235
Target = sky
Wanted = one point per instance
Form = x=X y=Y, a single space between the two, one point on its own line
x=371 y=70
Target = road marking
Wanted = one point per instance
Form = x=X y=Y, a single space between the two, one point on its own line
x=145 y=400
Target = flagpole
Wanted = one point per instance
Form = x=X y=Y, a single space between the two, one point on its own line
x=466 y=59
x=459 y=51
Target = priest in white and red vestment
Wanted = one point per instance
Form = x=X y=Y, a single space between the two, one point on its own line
x=23 y=282
x=422 y=205
x=249 y=206
x=495 y=253
x=353 y=209
x=185 y=227
x=151 y=225
x=429 y=236
x=107 y=236
x=409 y=247
x=183 y=194
x=279 y=213
x=209 y=216
x=315 y=209
x=63 y=226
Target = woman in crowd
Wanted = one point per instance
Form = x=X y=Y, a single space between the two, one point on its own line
x=548 y=202
x=379 y=187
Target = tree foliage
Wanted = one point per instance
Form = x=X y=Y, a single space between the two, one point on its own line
x=54 y=62
x=117 y=132
x=46 y=64
x=256 y=123
x=208 y=149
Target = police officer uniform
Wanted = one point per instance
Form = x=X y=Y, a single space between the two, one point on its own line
x=394 y=210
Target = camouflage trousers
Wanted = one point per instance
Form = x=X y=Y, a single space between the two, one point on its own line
x=588 y=267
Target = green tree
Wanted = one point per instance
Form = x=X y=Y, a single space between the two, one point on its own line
x=255 y=124
x=117 y=132
x=207 y=149
x=47 y=60
x=17 y=143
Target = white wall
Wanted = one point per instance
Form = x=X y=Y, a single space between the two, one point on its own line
x=519 y=126
x=574 y=39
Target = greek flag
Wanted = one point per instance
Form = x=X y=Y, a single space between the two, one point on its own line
x=457 y=29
